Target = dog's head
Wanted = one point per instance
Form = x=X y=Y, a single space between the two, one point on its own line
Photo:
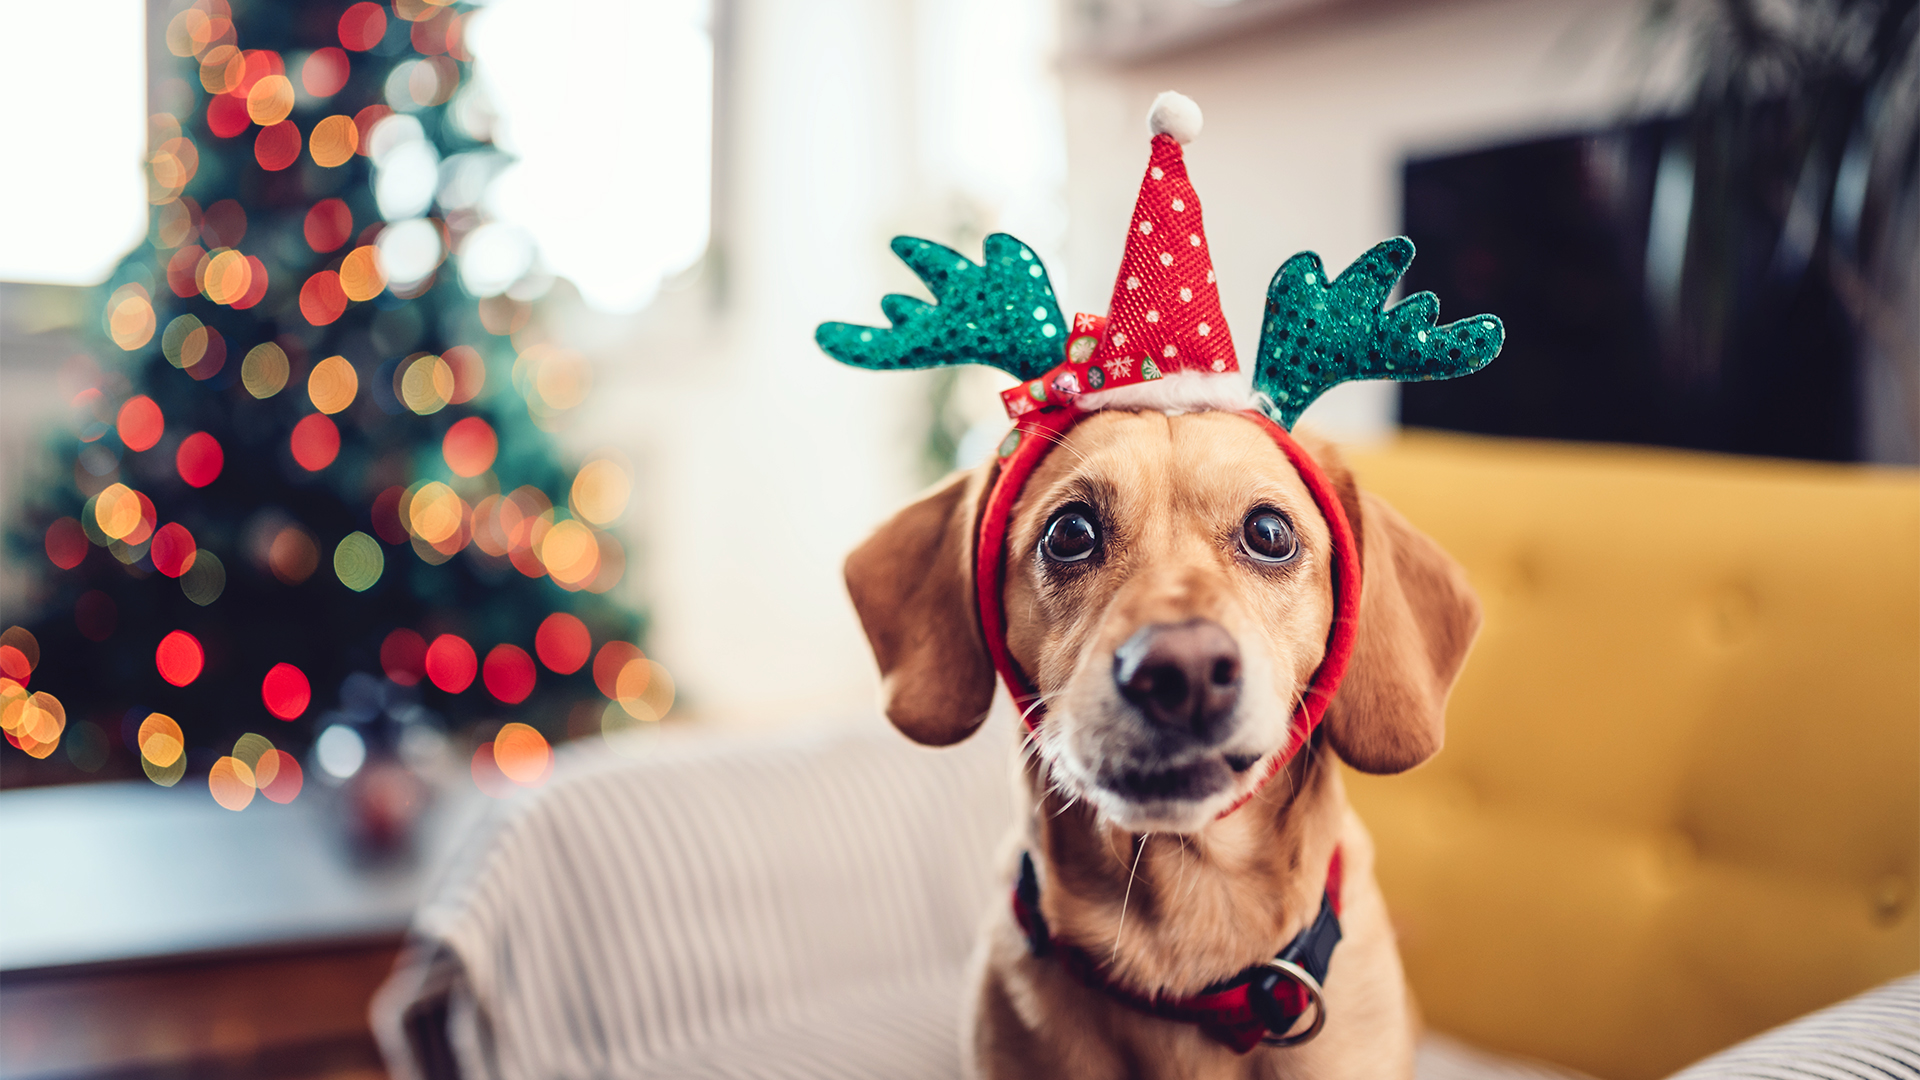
x=1169 y=590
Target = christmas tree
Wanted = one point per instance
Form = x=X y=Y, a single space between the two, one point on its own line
x=310 y=510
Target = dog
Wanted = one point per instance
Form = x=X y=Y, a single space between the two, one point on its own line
x=1169 y=592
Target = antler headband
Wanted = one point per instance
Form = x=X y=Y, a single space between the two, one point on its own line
x=1165 y=315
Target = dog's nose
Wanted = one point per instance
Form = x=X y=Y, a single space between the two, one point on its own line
x=1181 y=675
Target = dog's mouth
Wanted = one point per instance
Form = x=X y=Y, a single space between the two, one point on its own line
x=1190 y=782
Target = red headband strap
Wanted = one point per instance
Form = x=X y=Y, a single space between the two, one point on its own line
x=1030 y=440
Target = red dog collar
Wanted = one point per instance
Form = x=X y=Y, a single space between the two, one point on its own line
x=1038 y=432
x=1260 y=1005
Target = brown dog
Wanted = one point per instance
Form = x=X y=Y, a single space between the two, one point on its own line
x=1169 y=592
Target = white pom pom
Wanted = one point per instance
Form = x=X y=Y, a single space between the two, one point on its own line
x=1175 y=114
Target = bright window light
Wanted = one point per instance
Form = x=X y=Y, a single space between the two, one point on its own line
x=72 y=200
x=608 y=107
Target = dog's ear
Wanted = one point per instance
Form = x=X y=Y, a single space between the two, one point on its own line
x=912 y=583
x=1418 y=618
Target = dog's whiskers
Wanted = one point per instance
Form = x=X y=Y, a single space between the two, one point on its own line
x=1139 y=849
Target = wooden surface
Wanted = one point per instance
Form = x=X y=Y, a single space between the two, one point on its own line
x=276 y=1014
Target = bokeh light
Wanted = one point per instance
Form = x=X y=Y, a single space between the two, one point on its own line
x=386 y=515
x=19 y=653
x=179 y=658
x=139 y=423
x=227 y=277
x=451 y=664
x=358 y=561
x=184 y=342
x=32 y=721
x=205 y=580
x=173 y=549
x=333 y=384
x=435 y=512
x=292 y=555
x=403 y=656
x=321 y=299
x=410 y=250
x=327 y=226
x=264 y=371
x=278 y=146
x=66 y=543
x=315 y=442
x=522 y=754
x=227 y=115
x=231 y=783
x=600 y=491
x=163 y=749
x=285 y=691
x=199 y=459
x=612 y=658
x=270 y=101
x=470 y=447
x=508 y=673
x=95 y=615
x=426 y=384
x=570 y=552
x=469 y=373
x=325 y=72
x=224 y=224
x=279 y=776
x=340 y=751
x=333 y=141
x=130 y=317
x=645 y=690
x=118 y=511
x=361 y=277
x=362 y=26
x=563 y=643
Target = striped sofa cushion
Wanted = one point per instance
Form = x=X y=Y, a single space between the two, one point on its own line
x=1875 y=1036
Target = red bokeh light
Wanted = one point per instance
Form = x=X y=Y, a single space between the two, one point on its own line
x=322 y=300
x=149 y=517
x=224 y=224
x=199 y=459
x=364 y=121
x=183 y=270
x=470 y=447
x=15 y=665
x=386 y=515
x=256 y=285
x=508 y=673
x=403 y=656
x=140 y=423
x=287 y=777
x=227 y=115
x=173 y=549
x=328 y=225
x=96 y=615
x=469 y=372
x=277 y=147
x=179 y=658
x=213 y=359
x=563 y=643
x=260 y=64
x=613 y=656
x=315 y=442
x=286 y=691
x=362 y=26
x=325 y=72
x=451 y=663
x=66 y=543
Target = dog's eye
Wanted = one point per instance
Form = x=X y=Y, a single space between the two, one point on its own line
x=1269 y=537
x=1071 y=537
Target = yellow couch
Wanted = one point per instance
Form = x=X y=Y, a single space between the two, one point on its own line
x=1680 y=797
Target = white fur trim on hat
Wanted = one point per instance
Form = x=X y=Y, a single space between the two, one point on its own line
x=1175 y=114
x=1177 y=393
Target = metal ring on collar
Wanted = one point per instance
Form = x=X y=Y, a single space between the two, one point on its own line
x=1315 y=998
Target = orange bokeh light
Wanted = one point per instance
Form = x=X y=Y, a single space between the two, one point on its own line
x=179 y=658
x=140 y=423
x=470 y=447
x=607 y=665
x=231 y=783
x=522 y=755
x=563 y=643
x=451 y=664
x=270 y=100
x=333 y=141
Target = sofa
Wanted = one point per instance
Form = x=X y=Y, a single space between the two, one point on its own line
x=1679 y=805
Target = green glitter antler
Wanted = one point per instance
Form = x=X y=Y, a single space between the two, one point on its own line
x=1000 y=313
x=1319 y=333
